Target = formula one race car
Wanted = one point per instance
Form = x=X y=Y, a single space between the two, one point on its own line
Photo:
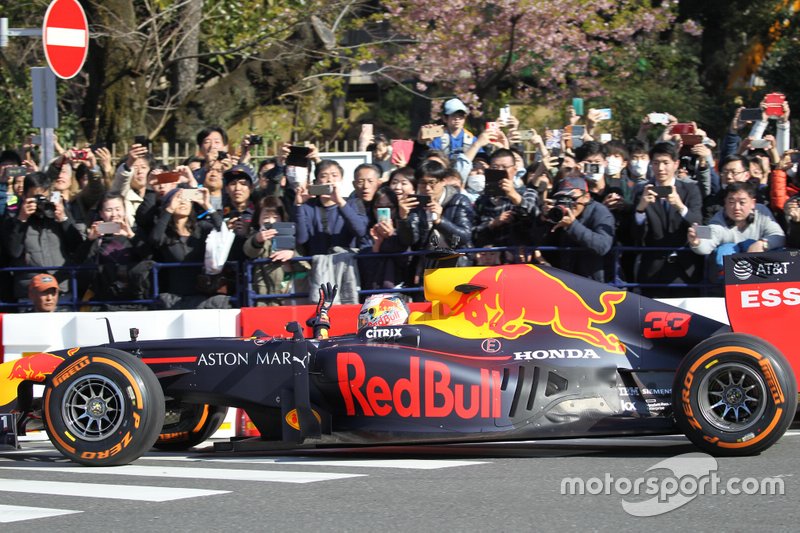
x=506 y=352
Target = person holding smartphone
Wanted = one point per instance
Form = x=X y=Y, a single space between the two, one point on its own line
x=506 y=210
x=328 y=220
x=438 y=216
x=116 y=251
x=272 y=277
x=384 y=272
x=738 y=228
x=456 y=138
x=664 y=211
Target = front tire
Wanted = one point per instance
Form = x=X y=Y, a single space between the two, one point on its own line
x=103 y=408
x=734 y=394
x=188 y=425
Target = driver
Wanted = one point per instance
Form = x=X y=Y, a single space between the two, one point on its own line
x=383 y=310
x=378 y=310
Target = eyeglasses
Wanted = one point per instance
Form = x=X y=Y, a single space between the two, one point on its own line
x=428 y=183
x=733 y=172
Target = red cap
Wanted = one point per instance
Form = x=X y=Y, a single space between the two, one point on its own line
x=42 y=282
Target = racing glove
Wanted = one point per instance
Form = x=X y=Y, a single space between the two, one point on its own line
x=321 y=322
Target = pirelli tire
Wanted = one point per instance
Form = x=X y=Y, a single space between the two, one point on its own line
x=187 y=425
x=103 y=407
x=734 y=394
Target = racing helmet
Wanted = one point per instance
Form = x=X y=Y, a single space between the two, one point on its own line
x=383 y=310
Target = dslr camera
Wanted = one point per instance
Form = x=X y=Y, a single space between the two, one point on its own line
x=564 y=203
x=44 y=207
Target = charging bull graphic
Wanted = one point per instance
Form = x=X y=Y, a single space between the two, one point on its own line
x=35 y=367
x=507 y=301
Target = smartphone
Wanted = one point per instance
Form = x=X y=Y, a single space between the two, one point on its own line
x=682 y=128
x=297 y=175
x=605 y=137
x=283 y=242
x=774 y=103
x=795 y=157
x=605 y=113
x=658 y=118
x=590 y=168
x=97 y=146
x=432 y=132
x=193 y=195
x=423 y=199
x=367 y=130
x=168 y=177
x=55 y=197
x=108 y=228
x=402 y=148
x=285 y=228
x=14 y=171
x=526 y=135
x=759 y=144
x=222 y=155
x=493 y=177
x=492 y=125
x=691 y=140
x=577 y=105
x=704 y=232
x=577 y=136
x=384 y=214
x=505 y=114
x=553 y=140
x=751 y=114
x=320 y=190
x=662 y=191
x=255 y=140
x=143 y=140
x=298 y=156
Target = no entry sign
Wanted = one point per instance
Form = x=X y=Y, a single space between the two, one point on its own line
x=66 y=37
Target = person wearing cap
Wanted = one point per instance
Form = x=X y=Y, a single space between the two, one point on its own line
x=456 y=138
x=43 y=293
x=239 y=209
x=579 y=222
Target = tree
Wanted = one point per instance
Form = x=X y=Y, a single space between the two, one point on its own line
x=536 y=48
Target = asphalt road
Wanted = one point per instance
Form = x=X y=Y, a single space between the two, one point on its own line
x=498 y=487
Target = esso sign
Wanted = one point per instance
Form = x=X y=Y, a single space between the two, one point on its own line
x=65 y=35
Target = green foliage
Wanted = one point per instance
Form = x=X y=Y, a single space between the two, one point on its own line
x=392 y=112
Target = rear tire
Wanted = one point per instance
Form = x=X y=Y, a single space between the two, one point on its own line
x=195 y=424
x=103 y=407
x=734 y=394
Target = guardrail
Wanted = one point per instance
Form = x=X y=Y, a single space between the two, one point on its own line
x=243 y=294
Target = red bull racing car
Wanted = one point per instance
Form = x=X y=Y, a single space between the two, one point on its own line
x=507 y=352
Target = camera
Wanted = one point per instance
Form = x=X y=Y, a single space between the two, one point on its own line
x=563 y=204
x=255 y=140
x=44 y=207
x=689 y=163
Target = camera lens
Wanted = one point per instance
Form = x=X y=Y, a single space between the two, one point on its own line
x=556 y=214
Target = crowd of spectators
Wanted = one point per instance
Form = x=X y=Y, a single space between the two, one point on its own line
x=566 y=198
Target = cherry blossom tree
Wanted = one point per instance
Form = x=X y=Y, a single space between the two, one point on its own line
x=544 y=48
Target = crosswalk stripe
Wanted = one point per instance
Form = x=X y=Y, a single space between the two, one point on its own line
x=16 y=513
x=410 y=464
x=278 y=476
x=101 y=490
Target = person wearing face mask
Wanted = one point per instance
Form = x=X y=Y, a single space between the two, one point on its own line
x=504 y=212
x=476 y=180
x=639 y=162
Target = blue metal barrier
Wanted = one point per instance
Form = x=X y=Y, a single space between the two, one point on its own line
x=244 y=295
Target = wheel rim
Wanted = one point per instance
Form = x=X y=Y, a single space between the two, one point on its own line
x=93 y=407
x=732 y=397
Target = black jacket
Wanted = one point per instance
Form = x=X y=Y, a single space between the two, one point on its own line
x=453 y=231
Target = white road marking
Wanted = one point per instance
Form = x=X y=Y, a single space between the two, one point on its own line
x=100 y=490
x=410 y=464
x=71 y=37
x=15 y=513
x=283 y=476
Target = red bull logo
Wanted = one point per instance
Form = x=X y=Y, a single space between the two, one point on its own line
x=429 y=391
x=508 y=301
x=35 y=367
